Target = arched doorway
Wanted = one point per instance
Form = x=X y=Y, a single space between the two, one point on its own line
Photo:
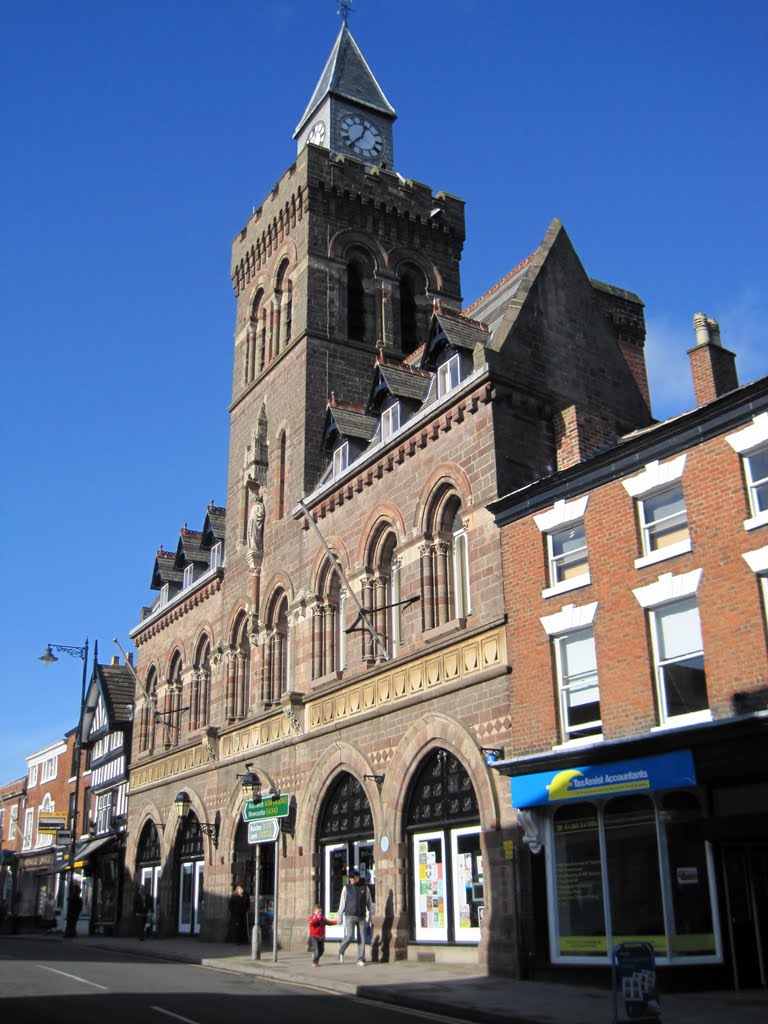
x=246 y=857
x=191 y=863
x=346 y=840
x=442 y=821
x=148 y=870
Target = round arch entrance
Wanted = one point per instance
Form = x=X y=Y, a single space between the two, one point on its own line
x=248 y=858
x=345 y=839
x=442 y=822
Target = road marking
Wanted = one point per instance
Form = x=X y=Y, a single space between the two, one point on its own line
x=75 y=977
x=176 y=1016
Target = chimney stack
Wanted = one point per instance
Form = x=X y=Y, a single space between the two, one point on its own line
x=115 y=659
x=713 y=367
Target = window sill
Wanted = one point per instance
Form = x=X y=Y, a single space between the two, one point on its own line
x=681 y=548
x=694 y=718
x=453 y=626
x=565 y=585
x=582 y=741
x=761 y=519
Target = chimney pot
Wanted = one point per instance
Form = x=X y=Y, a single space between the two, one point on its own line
x=115 y=659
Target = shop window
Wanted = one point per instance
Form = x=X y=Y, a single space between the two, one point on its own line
x=346 y=838
x=632 y=869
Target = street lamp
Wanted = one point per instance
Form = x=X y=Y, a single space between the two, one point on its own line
x=48 y=658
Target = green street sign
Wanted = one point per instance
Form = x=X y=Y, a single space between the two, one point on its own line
x=258 y=810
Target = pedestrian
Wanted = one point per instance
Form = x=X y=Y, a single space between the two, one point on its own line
x=74 y=908
x=142 y=902
x=355 y=903
x=48 y=912
x=317 y=923
x=237 y=930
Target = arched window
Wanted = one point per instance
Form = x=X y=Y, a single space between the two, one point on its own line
x=360 y=303
x=381 y=596
x=281 y=476
x=276 y=652
x=148 y=708
x=412 y=284
x=238 y=670
x=328 y=636
x=251 y=349
x=199 y=692
x=283 y=301
x=445 y=564
x=346 y=840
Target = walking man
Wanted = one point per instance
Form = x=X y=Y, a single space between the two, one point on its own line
x=355 y=903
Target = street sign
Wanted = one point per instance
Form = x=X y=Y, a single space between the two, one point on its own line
x=265 y=831
x=258 y=810
x=63 y=836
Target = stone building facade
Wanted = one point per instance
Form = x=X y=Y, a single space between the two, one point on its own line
x=340 y=628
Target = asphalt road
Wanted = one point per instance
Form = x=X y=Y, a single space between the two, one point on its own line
x=59 y=983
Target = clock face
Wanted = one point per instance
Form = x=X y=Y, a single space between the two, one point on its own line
x=317 y=135
x=360 y=136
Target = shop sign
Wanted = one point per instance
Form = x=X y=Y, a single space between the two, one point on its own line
x=662 y=771
x=258 y=810
x=265 y=831
x=52 y=821
x=36 y=861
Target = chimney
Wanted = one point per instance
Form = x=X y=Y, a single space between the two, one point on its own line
x=115 y=659
x=129 y=657
x=713 y=367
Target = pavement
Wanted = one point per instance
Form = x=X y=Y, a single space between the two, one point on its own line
x=456 y=991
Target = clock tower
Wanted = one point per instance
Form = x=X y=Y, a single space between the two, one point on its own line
x=348 y=113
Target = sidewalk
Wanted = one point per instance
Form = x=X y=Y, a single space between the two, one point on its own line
x=455 y=990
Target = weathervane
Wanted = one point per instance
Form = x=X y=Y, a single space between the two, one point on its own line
x=344 y=8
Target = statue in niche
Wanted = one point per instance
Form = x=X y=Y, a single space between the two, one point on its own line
x=256 y=524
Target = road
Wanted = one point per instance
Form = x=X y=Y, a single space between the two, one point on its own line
x=48 y=982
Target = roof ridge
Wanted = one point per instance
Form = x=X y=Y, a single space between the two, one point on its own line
x=498 y=284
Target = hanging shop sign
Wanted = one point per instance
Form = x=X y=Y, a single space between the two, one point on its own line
x=662 y=771
x=258 y=810
x=52 y=821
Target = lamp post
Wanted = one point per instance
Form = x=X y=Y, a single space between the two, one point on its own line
x=48 y=658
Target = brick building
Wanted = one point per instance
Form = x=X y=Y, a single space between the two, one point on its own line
x=635 y=588
x=12 y=797
x=340 y=629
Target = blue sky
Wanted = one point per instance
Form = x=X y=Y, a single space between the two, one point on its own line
x=136 y=140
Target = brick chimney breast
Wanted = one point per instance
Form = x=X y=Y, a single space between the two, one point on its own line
x=713 y=367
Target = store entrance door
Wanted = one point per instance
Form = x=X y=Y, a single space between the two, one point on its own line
x=746 y=893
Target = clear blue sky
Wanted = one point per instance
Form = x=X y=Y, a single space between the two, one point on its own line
x=135 y=139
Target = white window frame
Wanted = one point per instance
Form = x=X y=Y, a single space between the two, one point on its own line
x=49 y=769
x=164 y=595
x=655 y=479
x=567 y=686
x=448 y=375
x=562 y=516
x=32 y=776
x=29 y=825
x=13 y=822
x=390 y=421
x=751 y=440
x=340 y=460
x=189 y=575
x=216 y=556
x=395 y=630
x=462 y=596
x=2 y=822
x=666 y=591
x=758 y=563
x=568 y=621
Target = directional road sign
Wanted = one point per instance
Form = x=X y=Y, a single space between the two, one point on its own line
x=265 y=831
x=258 y=810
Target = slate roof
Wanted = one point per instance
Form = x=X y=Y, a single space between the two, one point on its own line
x=401 y=381
x=349 y=421
x=347 y=76
x=491 y=307
x=215 y=523
x=165 y=570
x=191 y=548
x=118 y=687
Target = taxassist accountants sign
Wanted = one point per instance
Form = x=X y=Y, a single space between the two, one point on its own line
x=665 y=771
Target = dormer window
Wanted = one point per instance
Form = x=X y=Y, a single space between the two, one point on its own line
x=340 y=459
x=390 y=421
x=448 y=375
x=189 y=575
x=216 y=556
x=164 y=595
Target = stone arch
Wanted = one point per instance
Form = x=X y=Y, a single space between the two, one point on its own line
x=343 y=242
x=149 y=811
x=320 y=560
x=279 y=580
x=400 y=256
x=385 y=512
x=239 y=606
x=447 y=474
x=437 y=730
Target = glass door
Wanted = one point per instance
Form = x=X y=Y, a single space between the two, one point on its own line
x=430 y=887
x=468 y=884
x=199 y=897
x=186 y=895
x=334 y=880
x=365 y=864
